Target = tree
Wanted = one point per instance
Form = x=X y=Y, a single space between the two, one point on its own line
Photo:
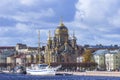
x=87 y=56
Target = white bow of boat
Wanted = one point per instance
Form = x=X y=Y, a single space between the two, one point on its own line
x=42 y=69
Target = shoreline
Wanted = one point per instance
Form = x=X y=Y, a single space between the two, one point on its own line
x=87 y=73
x=93 y=73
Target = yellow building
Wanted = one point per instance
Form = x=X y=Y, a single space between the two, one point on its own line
x=61 y=47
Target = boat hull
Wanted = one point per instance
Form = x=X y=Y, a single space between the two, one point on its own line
x=41 y=72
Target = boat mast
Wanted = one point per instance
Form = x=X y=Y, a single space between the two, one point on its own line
x=39 y=47
x=49 y=36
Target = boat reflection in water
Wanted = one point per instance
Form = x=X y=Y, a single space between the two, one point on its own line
x=42 y=69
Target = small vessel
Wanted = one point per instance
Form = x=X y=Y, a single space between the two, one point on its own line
x=42 y=69
x=19 y=70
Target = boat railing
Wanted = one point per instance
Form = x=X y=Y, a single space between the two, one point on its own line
x=56 y=68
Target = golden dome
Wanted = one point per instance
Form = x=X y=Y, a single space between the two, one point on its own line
x=61 y=28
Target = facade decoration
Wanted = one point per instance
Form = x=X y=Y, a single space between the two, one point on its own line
x=61 y=47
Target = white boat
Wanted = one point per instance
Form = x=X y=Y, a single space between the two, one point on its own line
x=42 y=69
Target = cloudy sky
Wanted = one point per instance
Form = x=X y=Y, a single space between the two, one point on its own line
x=94 y=21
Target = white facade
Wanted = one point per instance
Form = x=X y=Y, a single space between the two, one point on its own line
x=80 y=59
x=113 y=60
x=100 y=60
x=110 y=60
x=19 y=61
x=99 y=57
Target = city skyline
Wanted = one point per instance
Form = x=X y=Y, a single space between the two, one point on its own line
x=94 y=21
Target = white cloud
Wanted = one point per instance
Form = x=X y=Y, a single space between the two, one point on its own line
x=94 y=9
x=76 y=24
x=34 y=2
x=23 y=33
x=33 y=16
x=112 y=36
x=22 y=28
x=115 y=19
x=3 y=30
x=26 y=10
x=95 y=19
x=27 y=2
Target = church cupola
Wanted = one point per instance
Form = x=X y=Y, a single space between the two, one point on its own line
x=73 y=39
x=61 y=32
x=73 y=36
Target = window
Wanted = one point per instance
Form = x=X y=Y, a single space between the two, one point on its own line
x=116 y=57
x=116 y=62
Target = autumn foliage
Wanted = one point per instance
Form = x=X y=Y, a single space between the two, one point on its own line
x=87 y=56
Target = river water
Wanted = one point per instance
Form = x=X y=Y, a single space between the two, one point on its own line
x=4 y=76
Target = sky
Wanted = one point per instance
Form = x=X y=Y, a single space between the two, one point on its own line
x=94 y=21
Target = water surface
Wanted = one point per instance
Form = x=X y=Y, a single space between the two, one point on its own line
x=4 y=76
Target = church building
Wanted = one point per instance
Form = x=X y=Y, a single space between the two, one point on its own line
x=61 y=48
